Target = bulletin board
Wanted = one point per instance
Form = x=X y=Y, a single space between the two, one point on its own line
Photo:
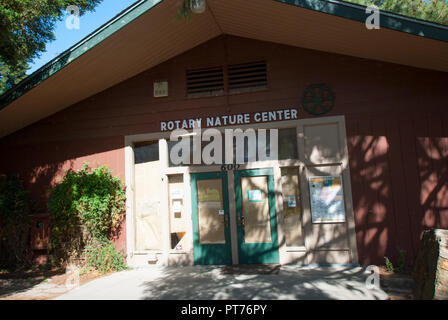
x=327 y=199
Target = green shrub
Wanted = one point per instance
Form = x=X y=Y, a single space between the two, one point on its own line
x=86 y=207
x=389 y=265
x=401 y=261
x=14 y=223
x=103 y=256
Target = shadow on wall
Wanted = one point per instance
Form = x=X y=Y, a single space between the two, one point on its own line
x=433 y=169
x=41 y=180
x=395 y=196
x=41 y=165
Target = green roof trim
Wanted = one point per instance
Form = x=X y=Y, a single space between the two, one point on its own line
x=65 y=58
x=332 y=7
x=388 y=20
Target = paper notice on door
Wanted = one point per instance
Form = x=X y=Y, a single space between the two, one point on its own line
x=176 y=194
x=291 y=201
x=221 y=212
x=255 y=195
x=177 y=206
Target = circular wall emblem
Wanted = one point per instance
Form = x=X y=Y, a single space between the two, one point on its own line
x=318 y=99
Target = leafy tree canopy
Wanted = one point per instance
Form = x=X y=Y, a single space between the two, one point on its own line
x=429 y=10
x=25 y=28
x=11 y=75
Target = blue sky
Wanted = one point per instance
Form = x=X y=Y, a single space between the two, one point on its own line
x=65 y=38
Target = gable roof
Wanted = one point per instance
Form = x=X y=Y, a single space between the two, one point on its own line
x=148 y=33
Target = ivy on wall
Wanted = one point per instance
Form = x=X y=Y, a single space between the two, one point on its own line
x=14 y=223
x=86 y=209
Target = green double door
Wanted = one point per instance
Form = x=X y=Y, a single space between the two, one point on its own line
x=256 y=226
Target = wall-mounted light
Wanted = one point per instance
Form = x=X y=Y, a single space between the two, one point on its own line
x=197 y=6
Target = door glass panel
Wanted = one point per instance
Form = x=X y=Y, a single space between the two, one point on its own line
x=255 y=210
x=292 y=222
x=210 y=211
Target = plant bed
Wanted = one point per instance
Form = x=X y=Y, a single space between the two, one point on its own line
x=398 y=286
x=40 y=284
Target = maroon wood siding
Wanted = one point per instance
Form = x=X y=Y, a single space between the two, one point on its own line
x=396 y=117
x=42 y=163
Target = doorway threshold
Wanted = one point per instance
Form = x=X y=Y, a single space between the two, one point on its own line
x=251 y=269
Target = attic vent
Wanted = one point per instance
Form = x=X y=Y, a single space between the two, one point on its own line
x=247 y=77
x=205 y=82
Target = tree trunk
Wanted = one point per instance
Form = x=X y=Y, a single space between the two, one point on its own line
x=431 y=266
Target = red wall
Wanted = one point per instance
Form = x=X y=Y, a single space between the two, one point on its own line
x=396 y=117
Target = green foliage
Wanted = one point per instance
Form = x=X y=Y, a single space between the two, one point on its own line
x=26 y=25
x=25 y=28
x=14 y=223
x=400 y=265
x=401 y=261
x=389 y=265
x=11 y=75
x=102 y=256
x=185 y=10
x=432 y=10
x=86 y=206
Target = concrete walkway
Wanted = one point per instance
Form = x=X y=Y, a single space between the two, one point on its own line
x=215 y=282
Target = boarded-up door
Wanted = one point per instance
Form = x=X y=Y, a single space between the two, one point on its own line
x=325 y=180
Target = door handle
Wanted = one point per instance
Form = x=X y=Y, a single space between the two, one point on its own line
x=226 y=221
x=240 y=220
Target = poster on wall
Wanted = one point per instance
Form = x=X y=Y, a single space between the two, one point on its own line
x=327 y=199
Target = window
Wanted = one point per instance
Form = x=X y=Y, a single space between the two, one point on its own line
x=180 y=154
x=146 y=152
x=287 y=147
x=287 y=144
